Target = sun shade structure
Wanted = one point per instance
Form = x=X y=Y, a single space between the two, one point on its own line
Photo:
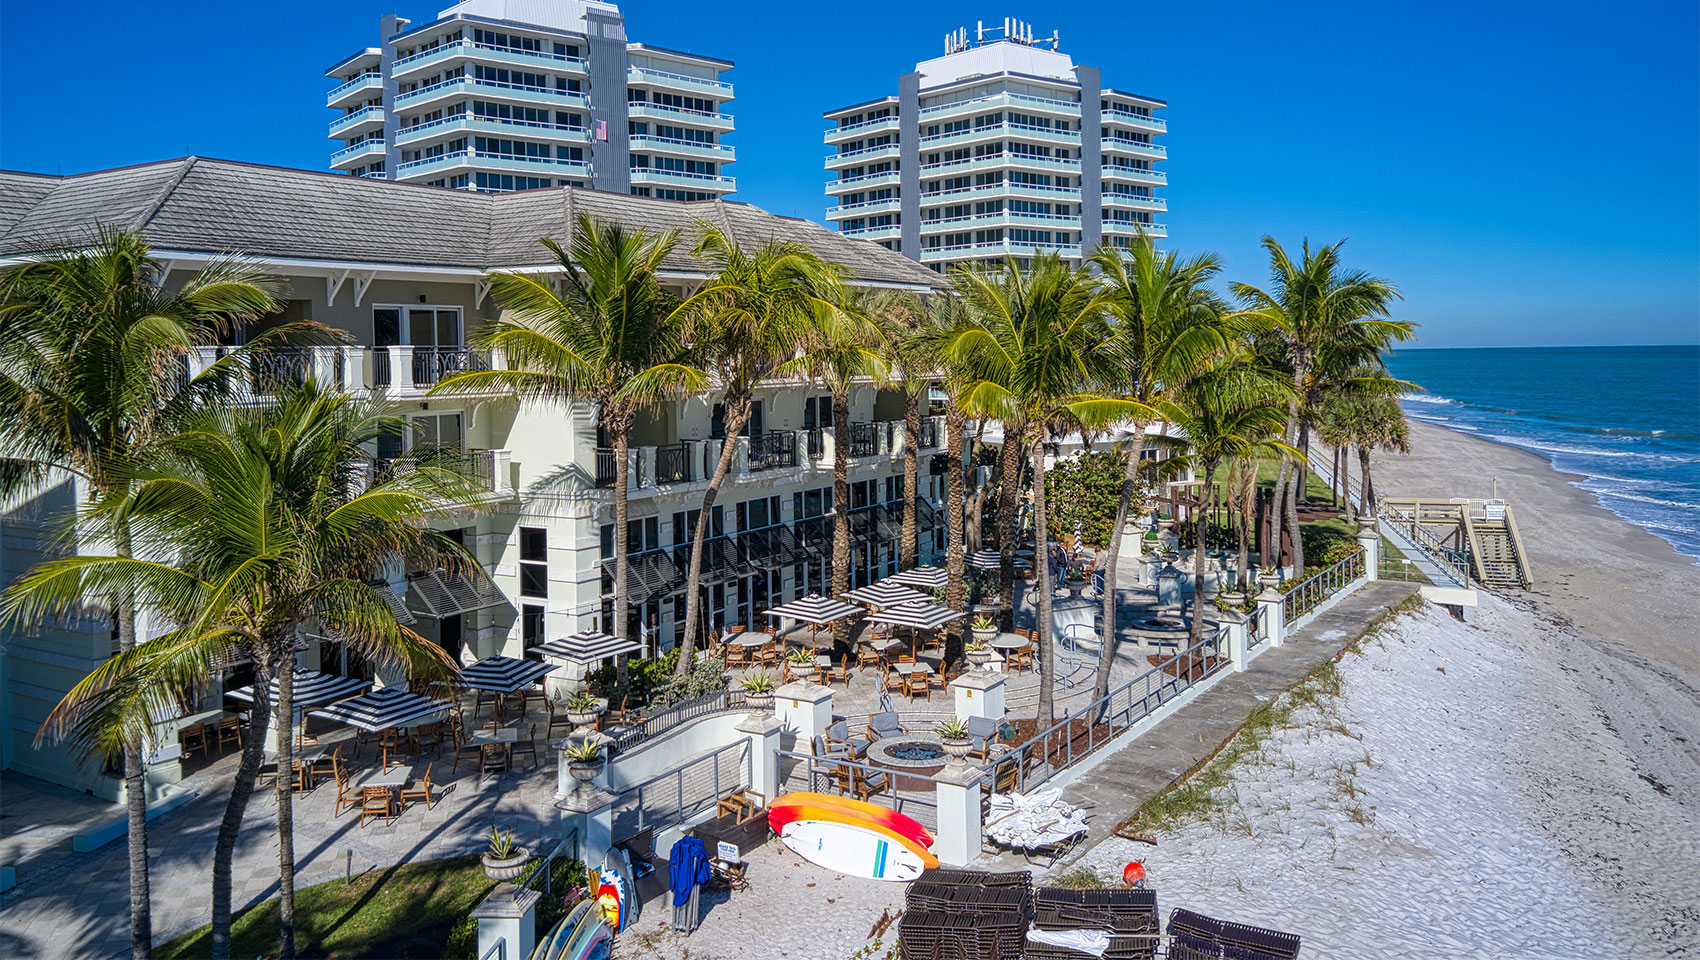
x=587 y=647
x=444 y=593
x=886 y=594
x=815 y=609
x=384 y=708
x=920 y=616
x=925 y=577
x=310 y=687
x=648 y=575
x=505 y=674
x=985 y=560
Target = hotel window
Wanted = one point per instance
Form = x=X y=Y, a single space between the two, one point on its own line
x=532 y=621
x=685 y=525
x=533 y=562
x=643 y=534
x=758 y=514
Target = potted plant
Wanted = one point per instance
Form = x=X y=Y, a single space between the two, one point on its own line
x=979 y=654
x=954 y=736
x=984 y=629
x=1269 y=577
x=801 y=662
x=758 y=690
x=583 y=708
x=584 y=759
x=503 y=860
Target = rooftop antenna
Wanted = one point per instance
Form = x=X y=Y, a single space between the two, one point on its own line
x=980 y=31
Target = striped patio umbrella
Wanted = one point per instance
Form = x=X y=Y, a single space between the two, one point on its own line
x=885 y=594
x=931 y=578
x=384 y=708
x=588 y=646
x=815 y=610
x=310 y=688
x=985 y=560
x=919 y=616
x=505 y=674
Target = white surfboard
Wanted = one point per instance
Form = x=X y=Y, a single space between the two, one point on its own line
x=854 y=850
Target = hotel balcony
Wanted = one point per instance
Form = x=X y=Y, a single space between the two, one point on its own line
x=1130 y=202
x=403 y=370
x=450 y=90
x=359 y=89
x=856 y=131
x=491 y=471
x=1152 y=178
x=1131 y=228
x=864 y=182
x=1134 y=148
x=864 y=209
x=461 y=160
x=360 y=153
x=644 y=110
x=994 y=190
x=364 y=120
x=1003 y=218
x=718 y=152
x=449 y=127
x=655 y=176
x=460 y=52
x=883 y=151
x=1000 y=101
x=1135 y=121
x=998 y=248
x=1000 y=131
x=889 y=231
x=662 y=80
x=999 y=161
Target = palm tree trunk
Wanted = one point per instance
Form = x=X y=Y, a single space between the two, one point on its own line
x=1124 y=506
x=1365 y=501
x=737 y=413
x=619 y=424
x=955 y=529
x=1009 y=500
x=285 y=785
x=1277 y=518
x=910 y=549
x=1248 y=493
x=1294 y=426
x=1196 y=630
x=135 y=790
x=1042 y=572
x=224 y=847
x=840 y=510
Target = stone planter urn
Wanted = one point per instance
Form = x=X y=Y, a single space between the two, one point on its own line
x=759 y=702
x=957 y=749
x=585 y=772
x=979 y=658
x=509 y=868
x=1233 y=600
x=1269 y=581
x=986 y=635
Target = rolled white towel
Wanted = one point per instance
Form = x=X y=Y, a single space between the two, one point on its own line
x=1090 y=942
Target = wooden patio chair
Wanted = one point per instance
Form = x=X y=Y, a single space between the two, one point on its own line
x=1020 y=658
x=527 y=744
x=376 y=802
x=465 y=750
x=558 y=722
x=419 y=789
x=769 y=654
x=429 y=736
x=492 y=760
x=742 y=804
x=882 y=725
x=839 y=674
x=229 y=733
x=867 y=656
x=347 y=794
x=865 y=785
x=838 y=738
x=737 y=656
x=932 y=644
x=194 y=738
x=363 y=737
x=916 y=684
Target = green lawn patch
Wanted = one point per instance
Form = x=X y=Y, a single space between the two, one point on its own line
x=404 y=911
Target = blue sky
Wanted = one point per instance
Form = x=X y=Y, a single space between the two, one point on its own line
x=1527 y=173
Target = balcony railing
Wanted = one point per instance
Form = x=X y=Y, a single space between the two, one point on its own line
x=864 y=439
x=607 y=469
x=427 y=365
x=673 y=463
x=929 y=433
x=260 y=375
x=679 y=81
x=706 y=181
x=816 y=442
x=366 y=81
x=773 y=450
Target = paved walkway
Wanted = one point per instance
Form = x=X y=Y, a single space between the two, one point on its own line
x=1124 y=779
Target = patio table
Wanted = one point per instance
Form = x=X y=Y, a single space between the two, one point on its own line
x=392 y=780
x=750 y=638
x=908 y=668
x=1008 y=641
x=204 y=716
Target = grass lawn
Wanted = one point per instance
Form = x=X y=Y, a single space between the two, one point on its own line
x=405 y=911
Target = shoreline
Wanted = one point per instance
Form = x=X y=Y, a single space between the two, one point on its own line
x=1612 y=579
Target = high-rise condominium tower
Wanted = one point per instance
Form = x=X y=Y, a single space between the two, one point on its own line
x=1000 y=148
x=500 y=95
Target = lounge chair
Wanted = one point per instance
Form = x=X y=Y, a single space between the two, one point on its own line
x=882 y=725
x=982 y=730
x=838 y=738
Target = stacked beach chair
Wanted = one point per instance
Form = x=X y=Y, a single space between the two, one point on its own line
x=966 y=915
x=1198 y=937
x=1128 y=916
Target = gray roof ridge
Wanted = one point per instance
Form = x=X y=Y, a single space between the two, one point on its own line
x=164 y=194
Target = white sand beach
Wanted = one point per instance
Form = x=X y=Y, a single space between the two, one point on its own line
x=1526 y=784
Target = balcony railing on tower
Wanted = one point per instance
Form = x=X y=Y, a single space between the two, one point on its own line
x=673 y=463
x=864 y=439
x=773 y=450
x=606 y=470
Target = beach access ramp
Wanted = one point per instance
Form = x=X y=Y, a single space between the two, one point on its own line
x=1469 y=536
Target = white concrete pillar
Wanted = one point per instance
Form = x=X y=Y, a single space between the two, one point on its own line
x=762 y=731
x=804 y=711
x=508 y=914
x=1369 y=538
x=1269 y=608
x=401 y=367
x=1238 y=638
x=1169 y=586
x=501 y=472
x=587 y=814
x=957 y=791
x=979 y=693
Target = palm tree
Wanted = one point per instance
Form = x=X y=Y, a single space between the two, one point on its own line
x=608 y=334
x=1026 y=349
x=1316 y=307
x=1168 y=325
x=744 y=324
x=88 y=339
x=1365 y=421
x=256 y=522
x=898 y=316
x=925 y=350
x=841 y=346
x=1227 y=413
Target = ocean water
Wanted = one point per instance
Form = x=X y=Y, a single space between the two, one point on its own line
x=1627 y=418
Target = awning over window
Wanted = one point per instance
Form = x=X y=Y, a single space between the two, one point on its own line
x=721 y=560
x=648 y=575
x=772 y=547
x=402 y=614
x=443 y=593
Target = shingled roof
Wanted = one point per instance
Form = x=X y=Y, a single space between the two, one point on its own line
x=199 y=205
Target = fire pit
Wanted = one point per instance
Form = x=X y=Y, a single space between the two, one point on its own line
x=1157 y=631
x=908 y=755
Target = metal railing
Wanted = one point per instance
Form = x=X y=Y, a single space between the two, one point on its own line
x=676 y=795
x=816 y=437
x=929 y=433
x=1313 y=591
x=606 y=468
x=673 y=463
x=432 y=364
x=773 y=450
x=684 y=711
x=1073 y=738
x=806 y=772
x=473 y=463
x=864 y=439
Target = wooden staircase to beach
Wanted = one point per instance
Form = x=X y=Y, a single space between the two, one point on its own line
x=1497 y=558
x=1470 y=538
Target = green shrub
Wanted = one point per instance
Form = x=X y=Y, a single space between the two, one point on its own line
x=706 y=676
x=463 y=941
x=1085 y=492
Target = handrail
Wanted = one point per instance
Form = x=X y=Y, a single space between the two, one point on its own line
x=445 y=49
x=480 y=118
x=1310 y=593
x=675 y=141
x=665 y=75
x=650 y=104
x=664 y=172
x=865 y=123
x=499 y=951
x=683 y=809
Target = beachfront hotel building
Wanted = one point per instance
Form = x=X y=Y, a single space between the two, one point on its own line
x=498 y=95
x=1000 y=148
x=404 y=271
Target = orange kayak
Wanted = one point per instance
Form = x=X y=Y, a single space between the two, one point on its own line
x=791 y=807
